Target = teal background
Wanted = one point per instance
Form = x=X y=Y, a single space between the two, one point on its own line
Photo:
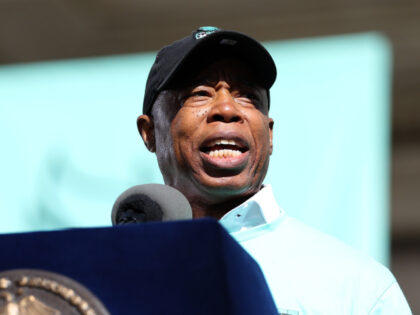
x=69 y=143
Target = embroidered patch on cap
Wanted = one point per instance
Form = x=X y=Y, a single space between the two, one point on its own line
x=205 y=30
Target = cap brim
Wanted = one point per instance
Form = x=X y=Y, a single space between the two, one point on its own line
x=235 y=45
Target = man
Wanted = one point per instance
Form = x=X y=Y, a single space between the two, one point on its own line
x=205 y=115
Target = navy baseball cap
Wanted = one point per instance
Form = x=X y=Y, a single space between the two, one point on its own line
x=179 y=60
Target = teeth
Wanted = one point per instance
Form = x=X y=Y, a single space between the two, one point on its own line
x=222 y=141
x=224 y=153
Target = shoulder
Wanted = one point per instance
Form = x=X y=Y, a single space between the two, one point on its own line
x=312 y=249
x=330 y=255
x=318 y=269
x=313 y=242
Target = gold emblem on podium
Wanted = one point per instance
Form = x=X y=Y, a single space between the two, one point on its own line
x=37 y=292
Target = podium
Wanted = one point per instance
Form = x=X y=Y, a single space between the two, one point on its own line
x=183 y=267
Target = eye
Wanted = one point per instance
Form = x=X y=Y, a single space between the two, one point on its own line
x=200 y=95
x=248 y=98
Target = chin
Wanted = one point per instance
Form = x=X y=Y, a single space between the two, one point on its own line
x=228 y=186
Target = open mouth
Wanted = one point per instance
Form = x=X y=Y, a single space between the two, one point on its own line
x=224 y=148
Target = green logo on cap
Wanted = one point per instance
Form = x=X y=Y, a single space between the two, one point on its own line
x=204 y=31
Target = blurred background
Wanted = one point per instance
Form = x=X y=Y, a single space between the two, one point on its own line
x=59 y=55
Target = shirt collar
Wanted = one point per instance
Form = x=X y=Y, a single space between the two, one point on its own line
x=260 y=209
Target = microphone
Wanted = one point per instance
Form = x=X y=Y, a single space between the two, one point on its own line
x=150 y=202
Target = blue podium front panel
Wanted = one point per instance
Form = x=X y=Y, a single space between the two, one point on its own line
x=185 y=267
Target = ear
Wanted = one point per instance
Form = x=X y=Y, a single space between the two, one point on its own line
x=271 y=125
x=146 y=129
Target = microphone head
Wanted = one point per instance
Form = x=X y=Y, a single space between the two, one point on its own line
x=150 y=202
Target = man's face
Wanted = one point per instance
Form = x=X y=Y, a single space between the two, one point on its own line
x=220 y=137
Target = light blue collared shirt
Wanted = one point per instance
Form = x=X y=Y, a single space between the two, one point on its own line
x=309 y=272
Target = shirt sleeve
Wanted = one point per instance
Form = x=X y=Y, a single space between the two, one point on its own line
x=391 y=302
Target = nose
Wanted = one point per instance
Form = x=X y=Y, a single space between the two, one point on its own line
x=224 y=108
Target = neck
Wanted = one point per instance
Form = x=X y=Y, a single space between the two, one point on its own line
x=215 y=210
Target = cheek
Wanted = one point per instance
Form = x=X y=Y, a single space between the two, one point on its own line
x=261 y=134
x=202 y=113
x=180 y=127
x=186 y=121
x=184 y=127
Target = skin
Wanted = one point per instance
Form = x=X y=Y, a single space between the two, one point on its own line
x=223 y=101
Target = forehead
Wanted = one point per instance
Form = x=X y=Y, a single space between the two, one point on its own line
x=235 y=72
